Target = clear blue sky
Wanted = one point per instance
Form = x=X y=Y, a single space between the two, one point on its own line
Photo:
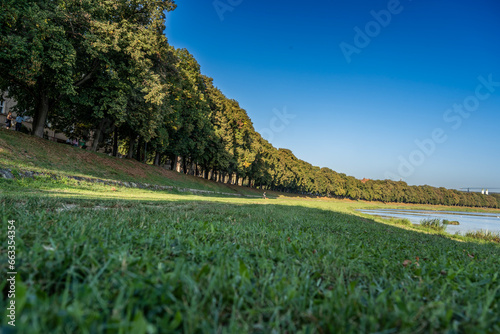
x=362 y=117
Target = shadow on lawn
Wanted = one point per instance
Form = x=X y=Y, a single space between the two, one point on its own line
x=358 y=229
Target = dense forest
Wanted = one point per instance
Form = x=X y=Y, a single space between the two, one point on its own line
x=104 y=68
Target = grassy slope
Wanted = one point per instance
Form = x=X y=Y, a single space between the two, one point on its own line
x=95 y=260
x=20 y=151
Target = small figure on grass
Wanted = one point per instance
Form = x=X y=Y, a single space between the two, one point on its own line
x=19 y=122
x=82 y=143
x=8 y=121
x=264 y=195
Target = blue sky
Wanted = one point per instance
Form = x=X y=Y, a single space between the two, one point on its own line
x=364 y=81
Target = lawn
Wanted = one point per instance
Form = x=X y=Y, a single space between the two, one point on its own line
x=96 y=259
x=21 y=152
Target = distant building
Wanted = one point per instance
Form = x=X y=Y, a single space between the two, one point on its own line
x=365 y=180
x=6 y=104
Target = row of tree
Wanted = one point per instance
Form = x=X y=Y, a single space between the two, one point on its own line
x=104 y=68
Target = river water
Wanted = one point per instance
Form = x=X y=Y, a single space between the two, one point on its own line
x=469 y=221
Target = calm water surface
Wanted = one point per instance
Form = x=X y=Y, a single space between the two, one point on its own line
x=469 y=221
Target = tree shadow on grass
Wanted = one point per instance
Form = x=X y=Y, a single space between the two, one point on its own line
x=356 y=229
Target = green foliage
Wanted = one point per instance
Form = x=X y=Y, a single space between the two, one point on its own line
x=435 y=224
x=450 y=222
x=61 y=58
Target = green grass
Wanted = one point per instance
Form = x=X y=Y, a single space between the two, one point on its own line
x=93 y=260
x=450 y=222
x=19 y=151
x=484 y=235
x=435 y=224
x=403 y=222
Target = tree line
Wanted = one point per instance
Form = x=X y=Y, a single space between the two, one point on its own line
x=105 y=67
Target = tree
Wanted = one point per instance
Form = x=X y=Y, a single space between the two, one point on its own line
x=54 y=54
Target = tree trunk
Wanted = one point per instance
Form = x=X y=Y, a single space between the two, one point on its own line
x=131 y=147
x=157 y=159
x=98 y=134
x=41 y=113
x=184 y=166
x=172 y=161
x=193 y=169
x=178 y=166
x=115 y=142
x=139 y=150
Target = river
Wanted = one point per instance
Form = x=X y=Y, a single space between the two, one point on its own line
x=469 y=221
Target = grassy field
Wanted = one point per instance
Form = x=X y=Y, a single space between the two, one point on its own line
x=22 y=152
x=96 y=259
